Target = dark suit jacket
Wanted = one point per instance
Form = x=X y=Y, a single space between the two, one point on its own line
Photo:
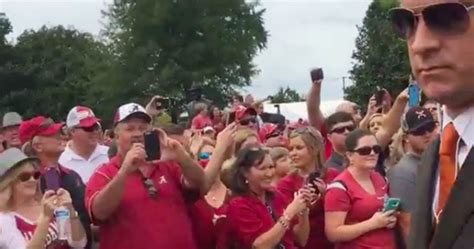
x=456 y=226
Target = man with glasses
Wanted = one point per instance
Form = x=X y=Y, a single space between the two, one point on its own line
x=273 y=136
x=141 y=204
x=420 y=131
x=440 y=38
x=83 y=153
x=339 y=125
x=43 y=136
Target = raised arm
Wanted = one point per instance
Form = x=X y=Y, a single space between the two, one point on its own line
x=313 y=104
x=391 y=123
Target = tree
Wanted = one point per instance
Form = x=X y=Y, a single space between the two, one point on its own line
x=165 y=46
x=380 y=58
x=56 y=66
x=286 y=95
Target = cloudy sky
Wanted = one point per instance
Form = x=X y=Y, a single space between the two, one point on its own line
x=303 y=34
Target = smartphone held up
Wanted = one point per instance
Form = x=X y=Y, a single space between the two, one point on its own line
x=152 y=146
x=317 y=75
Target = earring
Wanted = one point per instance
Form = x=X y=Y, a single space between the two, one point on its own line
x=246 y=181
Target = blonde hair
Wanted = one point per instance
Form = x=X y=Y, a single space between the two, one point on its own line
x=397 y=148
x=278 y=152
x=10 y=178
x=240 y=137
x=315 y=145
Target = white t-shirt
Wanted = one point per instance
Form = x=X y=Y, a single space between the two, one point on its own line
x=10 y=236
x=85 y=168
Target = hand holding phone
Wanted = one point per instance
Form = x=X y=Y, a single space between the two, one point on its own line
x=152 y=146
x=391 y=204
x=317 y=75
x=52 y=179
x=414 y=95
x=379 y=97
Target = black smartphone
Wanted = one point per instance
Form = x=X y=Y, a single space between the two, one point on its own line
x=162 y=103
x=52 y=179
x=152 y=146
x=379 y=96
x=317 y=74
x=311 y=178
x=230 y=118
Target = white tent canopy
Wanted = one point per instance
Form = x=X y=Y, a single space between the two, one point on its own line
x=296 y=110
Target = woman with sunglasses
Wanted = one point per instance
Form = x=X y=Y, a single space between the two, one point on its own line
x=207 y=212
x=30 y=215
x=355 y=199
x=307 y=158
x=258 y=216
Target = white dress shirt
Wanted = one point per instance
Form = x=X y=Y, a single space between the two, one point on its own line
x=84 y=167
x=464 y=125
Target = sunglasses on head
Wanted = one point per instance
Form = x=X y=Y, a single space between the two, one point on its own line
x=366 y=150
x=26 y=176
x=248 y=120
x=423 y=130
x=341 y=130
x=443 y=19
x=91 y=128
x=274 y=134
x=150 y=187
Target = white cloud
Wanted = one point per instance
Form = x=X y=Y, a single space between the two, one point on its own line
x=303 y=34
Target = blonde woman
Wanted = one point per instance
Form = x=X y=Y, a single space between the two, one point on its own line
x=31 y=213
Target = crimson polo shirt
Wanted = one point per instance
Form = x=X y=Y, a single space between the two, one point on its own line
x=139 y=221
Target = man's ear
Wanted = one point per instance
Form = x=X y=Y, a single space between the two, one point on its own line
x=36 y=144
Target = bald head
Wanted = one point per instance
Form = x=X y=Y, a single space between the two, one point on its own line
x=351 y=108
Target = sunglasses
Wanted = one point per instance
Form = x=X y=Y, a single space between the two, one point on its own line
x=204 y=155
x=274 y=134
x=247 y=121
x=366 y=150
x=423 y=130
x=26 y=176
x=91 y=128
x=341 y=130
x=443 y=19
x=150 y=187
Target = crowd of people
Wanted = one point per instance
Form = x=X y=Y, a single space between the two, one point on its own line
x=241 y=178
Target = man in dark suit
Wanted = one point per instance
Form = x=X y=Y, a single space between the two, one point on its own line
x=440 y=37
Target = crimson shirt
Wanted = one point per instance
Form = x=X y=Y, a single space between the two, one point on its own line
x=27 y=229
x=139 y=221
x=207 y=224
x=317 y=237
x=361 y=206
x=201 y=121
x=248 y=218
x=327 y=144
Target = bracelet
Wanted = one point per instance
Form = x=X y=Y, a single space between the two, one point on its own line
x=74 y=216
x=285 y=222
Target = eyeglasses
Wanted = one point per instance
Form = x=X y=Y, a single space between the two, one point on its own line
x=423 y=130
x=341 y=130
x=150 y=187
x=444 y=19
x=432 y=109
x=366 y=150
x=26 y=176
x=247 y=121
x=91 y=128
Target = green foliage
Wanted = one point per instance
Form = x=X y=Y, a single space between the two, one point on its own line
x=166 y=46
x=286 y=95
x=49 y=72
x=380 y=58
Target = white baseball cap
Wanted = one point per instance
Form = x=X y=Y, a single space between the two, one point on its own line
x=11 y=119
x=81 y=116
x=131 y=109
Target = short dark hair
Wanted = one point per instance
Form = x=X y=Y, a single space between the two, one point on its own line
x=246 y=158
x=336 y=118
x=173 y=129
x=239 y=98
x=352 y=139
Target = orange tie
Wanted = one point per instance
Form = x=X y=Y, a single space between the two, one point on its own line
x=448 y=167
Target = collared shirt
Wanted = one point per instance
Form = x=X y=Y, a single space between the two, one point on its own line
x=140 y=221
x=337 y=162
x=84 y=167
x=464 y=125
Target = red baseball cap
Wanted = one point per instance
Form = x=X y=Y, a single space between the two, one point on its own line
x=241 y=111
x=38 y=126
x=81 y=116
x=266 y=130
